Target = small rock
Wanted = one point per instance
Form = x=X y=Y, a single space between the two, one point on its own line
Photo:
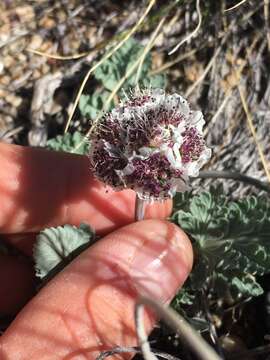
x=47 y=23
x=25 y=13
x=36 y=42
x=8 y=61
x=5 y=80
x=37 y=136
x=14 y=100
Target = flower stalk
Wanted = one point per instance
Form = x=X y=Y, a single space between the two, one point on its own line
x=140 y=206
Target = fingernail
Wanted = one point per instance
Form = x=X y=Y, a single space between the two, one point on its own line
x=161 y=265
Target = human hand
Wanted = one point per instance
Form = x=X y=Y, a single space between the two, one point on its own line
x=89 y=306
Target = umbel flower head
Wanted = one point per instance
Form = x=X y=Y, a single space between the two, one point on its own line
x=150 y=143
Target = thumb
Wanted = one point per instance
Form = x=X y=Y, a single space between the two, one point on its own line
x=89 y=307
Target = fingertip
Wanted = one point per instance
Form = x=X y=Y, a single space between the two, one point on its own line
x=156 y=253
x=164 y=260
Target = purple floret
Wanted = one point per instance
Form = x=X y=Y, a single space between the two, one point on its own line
x=104 y=166
x=153 y=174
x=192 y=146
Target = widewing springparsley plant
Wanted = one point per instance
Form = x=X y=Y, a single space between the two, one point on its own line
x=152 y=143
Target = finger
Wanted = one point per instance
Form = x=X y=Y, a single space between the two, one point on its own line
x=40 y=188
x=17 y=283
x=89 y=307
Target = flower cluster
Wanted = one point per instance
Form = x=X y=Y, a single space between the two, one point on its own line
x=151 y=143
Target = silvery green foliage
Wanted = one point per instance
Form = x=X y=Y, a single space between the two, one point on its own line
x=74 y=143
x=57 y=244
x=231 y=243
x=91 y=105
x=112 y=70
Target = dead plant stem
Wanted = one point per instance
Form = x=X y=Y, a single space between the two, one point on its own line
x=104 y=58
x=196 y=343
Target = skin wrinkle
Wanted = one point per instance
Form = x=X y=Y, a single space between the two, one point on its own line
x=178 y=244
x=141 y=245
x=73 y=335
x=82 y=351
x=100 y=346
x=125 y=293
x=111 y=212
x=55 y=343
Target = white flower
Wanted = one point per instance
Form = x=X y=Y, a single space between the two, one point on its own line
x=151 y=143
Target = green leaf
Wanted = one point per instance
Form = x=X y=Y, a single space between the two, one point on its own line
x=112 y=71
x=74 y=143
x=55 y=245
x=155 y=81
x=183 y=297
x=116 y=67
x=246 y=285
x=181 y=201
x=91 y=105
x=230 y=240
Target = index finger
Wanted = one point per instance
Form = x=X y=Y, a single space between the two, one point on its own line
x=41 y=188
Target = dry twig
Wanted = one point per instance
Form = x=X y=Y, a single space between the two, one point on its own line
x=193 y=33
x=107 y=56
x=196 y=343
x=235 y=6
x=136 y=350
x=253 y=132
